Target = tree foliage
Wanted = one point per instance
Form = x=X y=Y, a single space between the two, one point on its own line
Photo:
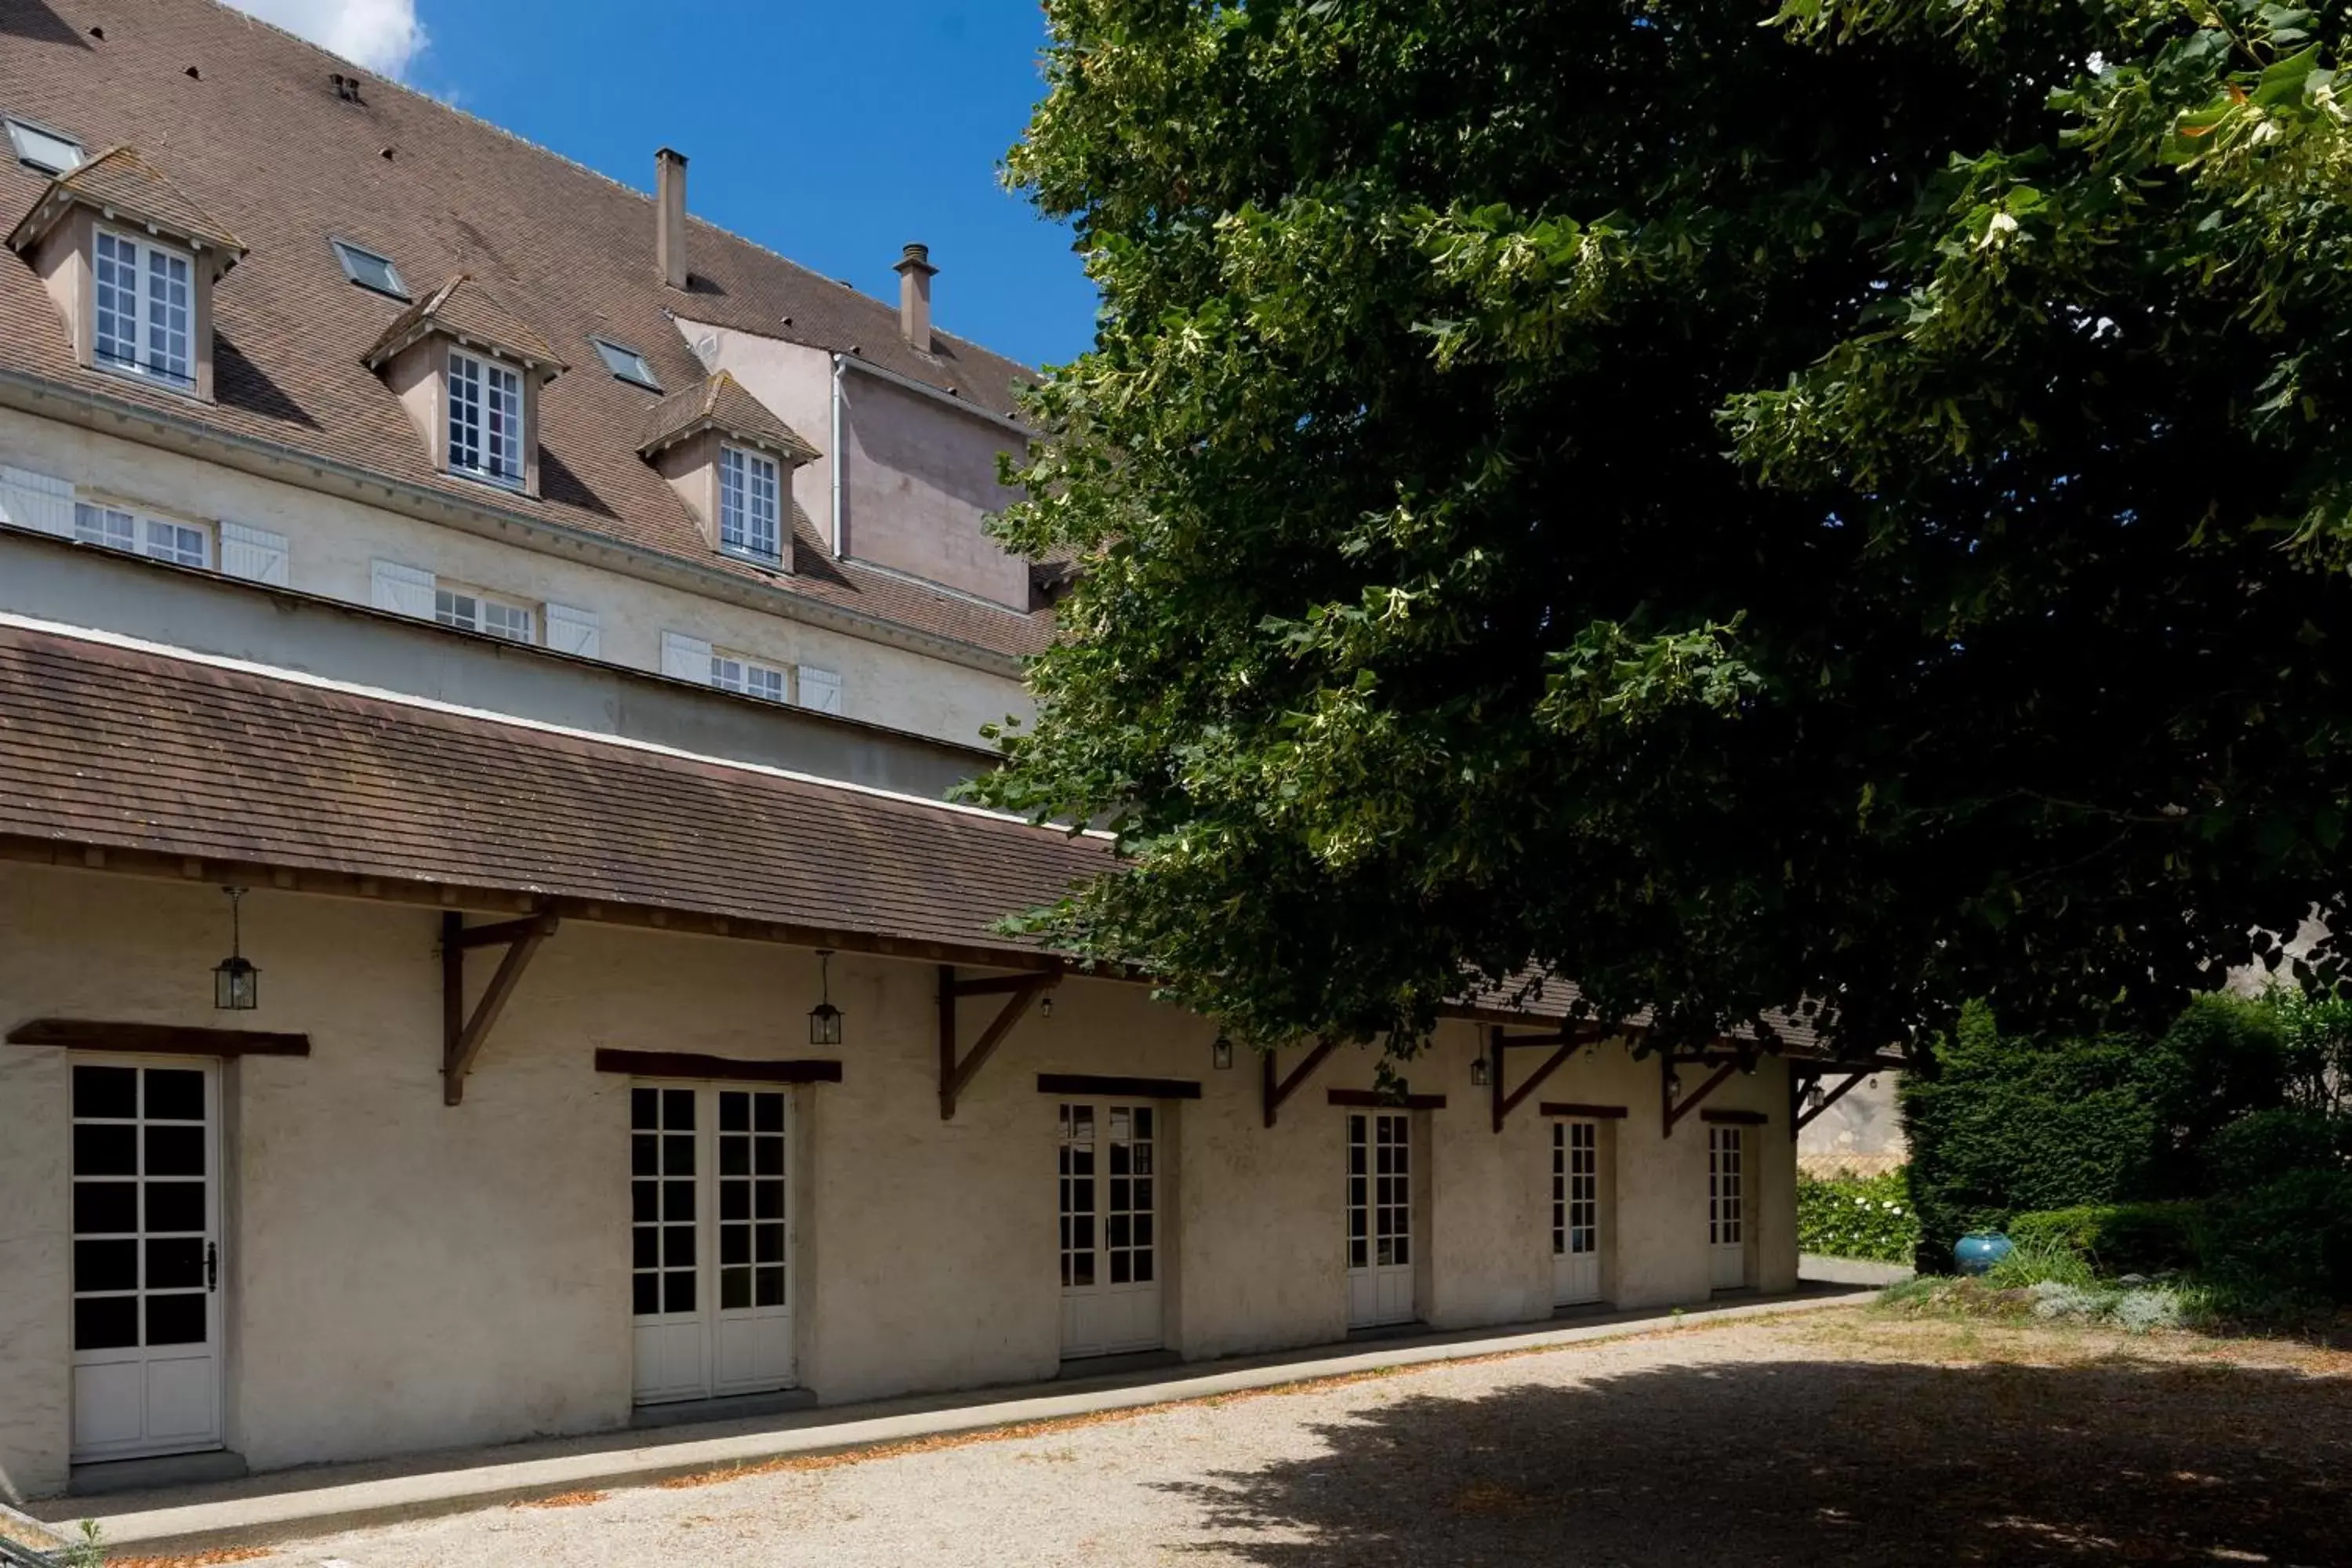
x=1853 y=508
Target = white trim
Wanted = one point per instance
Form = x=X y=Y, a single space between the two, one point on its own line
x=537 y=726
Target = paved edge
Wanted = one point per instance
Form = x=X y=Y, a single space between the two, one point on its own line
x=287 y=1516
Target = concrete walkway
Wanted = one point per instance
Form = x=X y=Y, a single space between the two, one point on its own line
x=314 y=1500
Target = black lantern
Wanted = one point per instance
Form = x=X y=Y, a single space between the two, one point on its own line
x=1479 y=1071
x=237 y=983
x=824 y=1018
x=1815 y=1099
x=1221 y=1053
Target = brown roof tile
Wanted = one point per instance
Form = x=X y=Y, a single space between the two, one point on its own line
x=720 y=402
x=465 y=311
x=120 y=180
x=260 y=140
x=136 y=750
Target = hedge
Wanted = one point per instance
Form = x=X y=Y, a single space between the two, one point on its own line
x=1868 y=1217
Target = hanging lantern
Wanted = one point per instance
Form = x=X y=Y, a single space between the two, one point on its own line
x=237 y=983
x=1479 y=1071
x=1815 y=1099
x=1673 y=1083
x=1221 y=1053
x=824 y=1018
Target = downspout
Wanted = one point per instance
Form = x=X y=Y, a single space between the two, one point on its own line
x=833 y=449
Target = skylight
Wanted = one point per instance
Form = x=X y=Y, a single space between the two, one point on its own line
x=44 y=150
x=369 y=270
x=627 y=363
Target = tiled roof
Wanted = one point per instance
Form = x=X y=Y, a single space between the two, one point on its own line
x=120 y=180
x=258 y=139
x=721 y=403
x=138 y=750
x=465 y=309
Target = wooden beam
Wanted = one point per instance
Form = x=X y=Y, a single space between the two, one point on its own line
x=462 y=1043
x=504 y=932
x=1674 y=1112
x=1373 y=1099
x=1735 y=1118
x=1275 y=1091
x=727 y=1070
x=1566 y=1039
x=1587 y=1113
x=1119 y=1088
x=156 y=1039
x=1803 y=1118
x=956 y=1074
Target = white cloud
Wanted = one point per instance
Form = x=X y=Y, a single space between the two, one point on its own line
x=382 y=36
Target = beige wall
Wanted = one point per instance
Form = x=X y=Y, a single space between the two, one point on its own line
x=333 y=541
x=406 y=1275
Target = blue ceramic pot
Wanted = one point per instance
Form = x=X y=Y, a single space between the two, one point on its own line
x=1977 y=1253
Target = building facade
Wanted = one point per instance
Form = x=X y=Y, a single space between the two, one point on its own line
x=486 y=949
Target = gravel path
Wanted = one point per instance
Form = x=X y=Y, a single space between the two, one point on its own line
x=1839 y=1437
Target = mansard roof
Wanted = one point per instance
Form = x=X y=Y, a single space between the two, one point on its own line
x=257 y=143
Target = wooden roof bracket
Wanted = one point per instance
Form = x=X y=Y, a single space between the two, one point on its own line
x=1801 y=1115
x=462 y=1038
x=1018 y=991
x=1674 y=1112
x=1274 y=1090
x=1567 y=1038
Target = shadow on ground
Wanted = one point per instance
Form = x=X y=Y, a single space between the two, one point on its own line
x=1821 y=1462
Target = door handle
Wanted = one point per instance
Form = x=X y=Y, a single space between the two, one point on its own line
x=211 y=1266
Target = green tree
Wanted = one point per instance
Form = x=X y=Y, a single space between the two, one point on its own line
x=1727 y=513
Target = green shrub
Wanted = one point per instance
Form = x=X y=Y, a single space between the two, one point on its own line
x=2258 y=1148
x=2117 y=1238
x=1868 y=1217
x=2041 y=1260
x=2291 y=1235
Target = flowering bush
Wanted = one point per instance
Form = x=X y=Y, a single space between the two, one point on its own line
x=1867 y=1218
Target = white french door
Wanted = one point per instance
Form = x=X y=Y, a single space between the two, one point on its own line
x=1575 y=1213
x=146 y=1258
x=1380 y=1219
x=1727 y=1207
x=1111 y=1185
x=710 y=1240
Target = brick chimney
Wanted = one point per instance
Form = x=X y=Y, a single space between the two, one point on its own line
x=669 y=216
x=915 y=271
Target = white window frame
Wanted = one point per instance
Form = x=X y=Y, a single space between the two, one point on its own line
x=626 y=363
x=750 y=505
x=486 y=419
x=751 y=676
x=159 y=321
x=491 y=614
x=134 y=532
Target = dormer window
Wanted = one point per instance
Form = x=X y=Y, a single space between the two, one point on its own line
x=748 y=489
x=469 y=372
x=485 y=419
x=130 y=263
x=144 y=296
x=730 y=460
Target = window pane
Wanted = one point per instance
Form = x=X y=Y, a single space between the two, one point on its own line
x=175 y=1151
x=43 y=150
x=106 y=1323
x=105 y=1266
x=175 y=1263
x=175 y=1320
x=105 y=1208
x=106 y=1092
x=105 y=1151
x=175 y=1205
x=174 y=1094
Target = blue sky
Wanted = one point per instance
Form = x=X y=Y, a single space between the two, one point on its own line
x=831 y=132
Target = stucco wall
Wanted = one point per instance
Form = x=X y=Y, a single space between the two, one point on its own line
x=334 y=543
x=918 y=475
x=406 y=1275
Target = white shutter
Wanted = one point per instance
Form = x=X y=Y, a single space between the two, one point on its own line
x=820 y=690
x=403 y=590
x=37 y=501
x=571 y=631
x=253 y=552
x=687 y=659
